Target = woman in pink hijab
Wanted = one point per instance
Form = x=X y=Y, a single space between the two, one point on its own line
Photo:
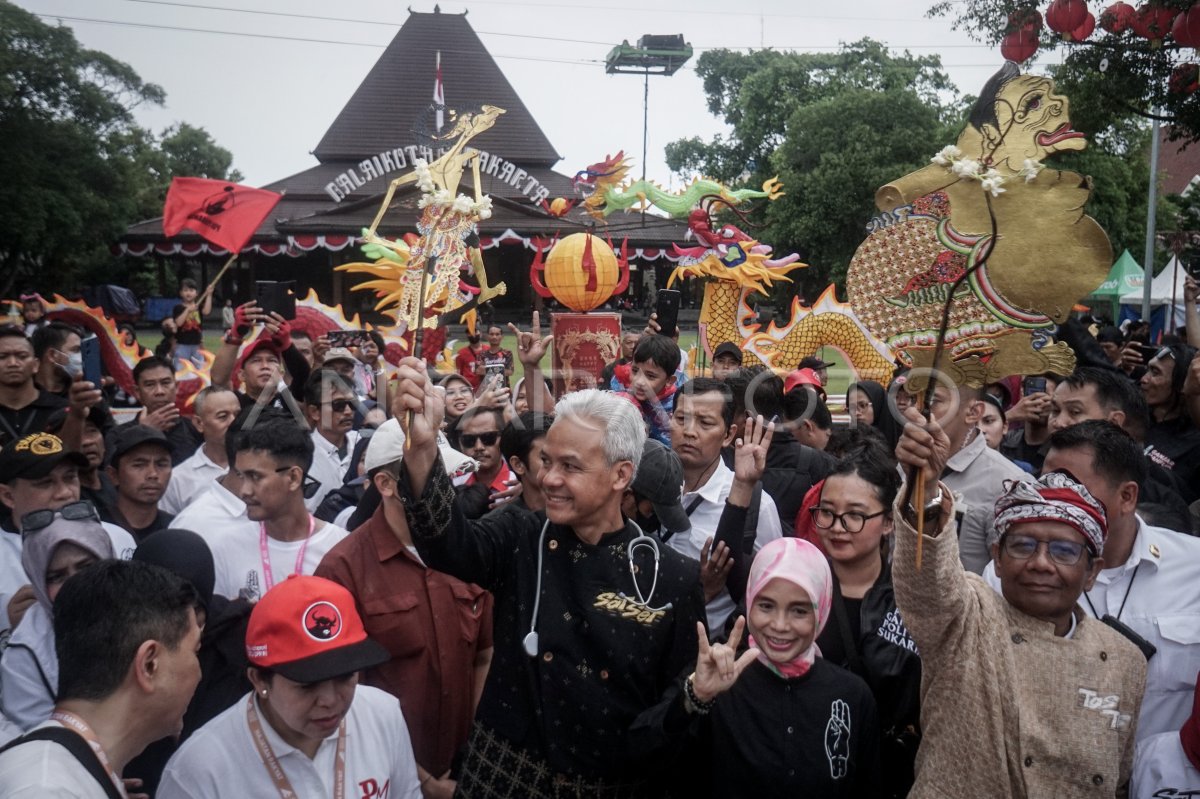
x=783 y=722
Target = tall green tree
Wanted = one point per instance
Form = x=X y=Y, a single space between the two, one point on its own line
x=75 y=168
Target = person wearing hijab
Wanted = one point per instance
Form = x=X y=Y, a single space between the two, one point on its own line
x=54 y=546
x=783 y=721
x=867 y=404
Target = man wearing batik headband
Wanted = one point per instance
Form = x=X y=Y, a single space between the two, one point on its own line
x=1022 y=692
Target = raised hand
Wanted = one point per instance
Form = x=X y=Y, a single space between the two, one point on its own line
x=531 y=346
x=750 y=449
x=418 y=404
x=717 y=668
x=714 y=568
x=923 y=444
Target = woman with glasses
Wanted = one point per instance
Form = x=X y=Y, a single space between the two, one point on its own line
x=55 y=544
x=866 y=633
x=459 y=396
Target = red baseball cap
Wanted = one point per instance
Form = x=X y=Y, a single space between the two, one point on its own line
x=803 y=377
x=308 y=630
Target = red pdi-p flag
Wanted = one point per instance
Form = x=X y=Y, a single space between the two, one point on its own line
x=227 y=214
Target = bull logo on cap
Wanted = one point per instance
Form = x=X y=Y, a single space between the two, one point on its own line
x=322 y=621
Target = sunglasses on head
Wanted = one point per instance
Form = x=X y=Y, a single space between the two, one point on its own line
x=469 y=440
x=73 y=511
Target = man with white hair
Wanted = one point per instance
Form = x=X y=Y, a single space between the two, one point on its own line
x=594 y=627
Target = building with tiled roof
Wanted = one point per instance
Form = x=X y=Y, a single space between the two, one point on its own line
x=388 y=122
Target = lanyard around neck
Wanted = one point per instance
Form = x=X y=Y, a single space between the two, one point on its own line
x=1124 y=599
x=86 y=733
x=265 y=554
x=265 y=753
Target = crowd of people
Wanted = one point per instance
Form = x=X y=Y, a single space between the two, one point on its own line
x=325 y=575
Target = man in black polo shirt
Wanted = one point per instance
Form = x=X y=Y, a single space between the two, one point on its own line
x=24 y=408
x=592 y=641
x=1172 y=440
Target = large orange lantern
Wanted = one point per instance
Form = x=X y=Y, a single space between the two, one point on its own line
x=581 y=272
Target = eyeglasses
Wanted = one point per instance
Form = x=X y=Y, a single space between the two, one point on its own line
x=341 y=405
x=311 y=485
x=852 y=521
x=469 y=440
x=73 y=511
x=1024 y=547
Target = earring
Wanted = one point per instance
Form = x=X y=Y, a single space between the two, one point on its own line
x=264 y=692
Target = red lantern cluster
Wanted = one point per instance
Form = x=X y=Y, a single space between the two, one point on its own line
x=1065 y=16
x=1153 y=21
x=1117 y=17
x=1186 y=29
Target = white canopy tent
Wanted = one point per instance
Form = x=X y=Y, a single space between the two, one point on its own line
x=1166 y=289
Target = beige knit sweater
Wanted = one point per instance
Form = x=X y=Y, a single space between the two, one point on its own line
x=1007 y=708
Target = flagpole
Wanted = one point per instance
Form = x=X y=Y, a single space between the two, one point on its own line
x=211 y=286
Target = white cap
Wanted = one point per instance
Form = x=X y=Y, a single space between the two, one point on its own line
x=387 y=447
x=338 y=354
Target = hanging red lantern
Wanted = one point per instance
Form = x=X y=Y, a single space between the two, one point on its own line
x=1153 y=22
x=1019 y=45
x=1186 y=29
x=1185 y=79
x=1027 y=18
x=1083 y=31
x=1116 y=18
x=1064 y=16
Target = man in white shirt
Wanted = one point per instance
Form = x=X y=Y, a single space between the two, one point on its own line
x=37 y=473
x=701 y=425
x=272 y=459
x=128 y=635
x=329 y=404
x=1151 y=577
x=215 y=409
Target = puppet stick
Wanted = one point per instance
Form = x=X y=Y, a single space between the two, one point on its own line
x=211 y=286
x=920 y=491
x=418 y=336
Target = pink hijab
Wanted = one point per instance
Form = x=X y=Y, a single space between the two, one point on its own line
x=800 y=563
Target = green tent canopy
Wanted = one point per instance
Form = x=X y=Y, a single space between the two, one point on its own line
x=1126 y=276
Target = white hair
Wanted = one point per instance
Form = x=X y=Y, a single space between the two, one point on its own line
x=623 y=431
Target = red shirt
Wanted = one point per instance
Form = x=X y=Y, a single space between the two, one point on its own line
x=464 y=364
x=499 y=482
x=433 y=625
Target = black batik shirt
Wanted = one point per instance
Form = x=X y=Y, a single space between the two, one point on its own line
x=605 y=681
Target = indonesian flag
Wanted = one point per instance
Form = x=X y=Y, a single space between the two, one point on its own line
x=439 y=96
x=227 y=214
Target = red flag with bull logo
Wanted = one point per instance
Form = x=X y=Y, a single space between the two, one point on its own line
x=224 y=213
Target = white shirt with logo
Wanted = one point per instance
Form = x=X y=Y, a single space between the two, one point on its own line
x=1161 y=769
x=220 y=759
x=237 y=558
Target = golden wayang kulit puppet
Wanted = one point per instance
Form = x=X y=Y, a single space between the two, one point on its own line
x=987 y=199
x=421 y=281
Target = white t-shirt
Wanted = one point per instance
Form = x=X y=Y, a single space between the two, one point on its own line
x=237 y=559
x=189 y=480
x=1162 y=769
x=46 y=770
x=220 y=759
x=214 y=512
x=704 y=518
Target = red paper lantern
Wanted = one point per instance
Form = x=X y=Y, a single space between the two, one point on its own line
x=1064 y=16
x=1117 y=18
x=1083 y=31
x=1185 y=79
x=1186 y=29
x=1019 y=45
x=1025 y=19
x=1153 y=21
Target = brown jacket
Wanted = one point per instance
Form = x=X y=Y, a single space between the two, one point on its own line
x=1008 y=709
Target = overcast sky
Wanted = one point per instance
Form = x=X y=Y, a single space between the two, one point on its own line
x=267 y=85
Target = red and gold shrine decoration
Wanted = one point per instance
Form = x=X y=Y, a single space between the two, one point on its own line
x=581 y=271
x=583 y=344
